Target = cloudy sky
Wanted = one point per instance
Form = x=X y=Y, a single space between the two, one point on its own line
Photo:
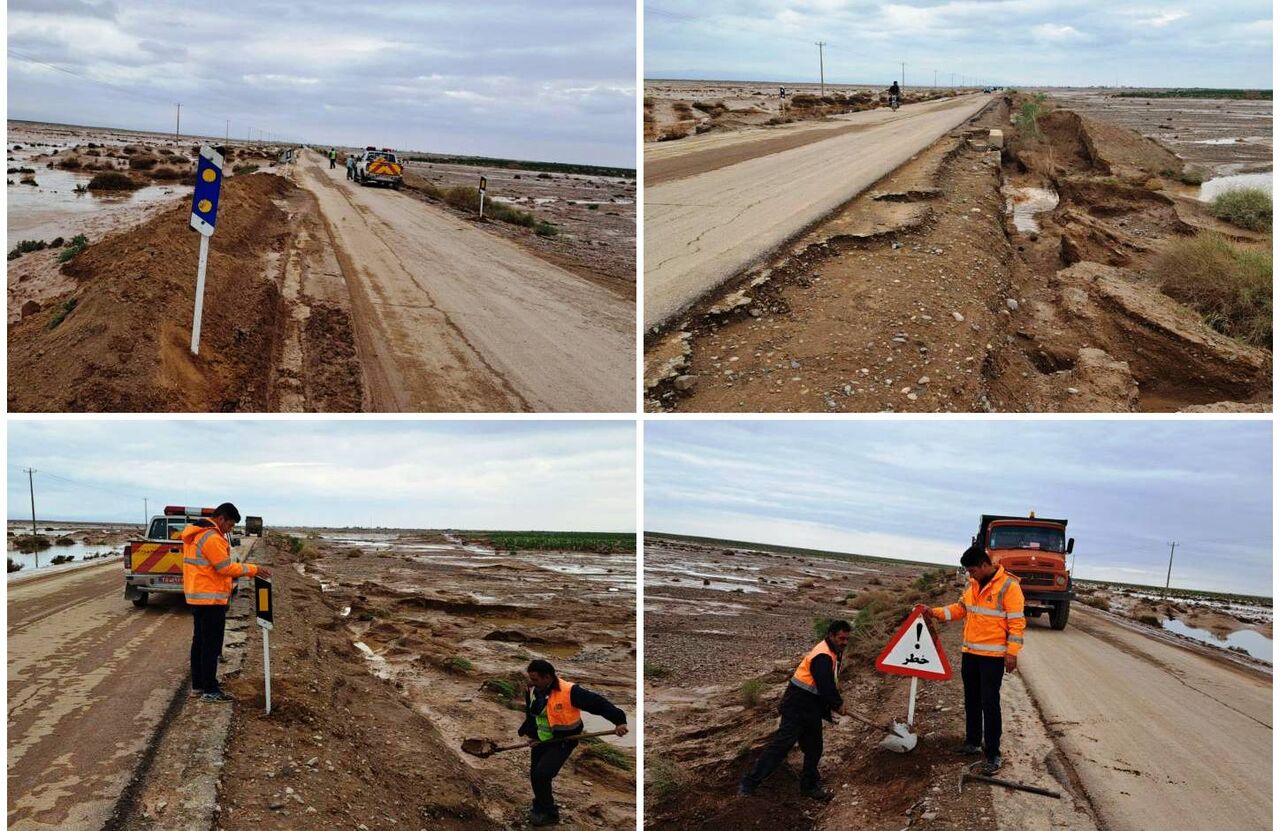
x=500 y=78
x=1226 y=43
x=915 y=489
x=528 y=475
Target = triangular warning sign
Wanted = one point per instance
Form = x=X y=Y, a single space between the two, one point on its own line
x=914 y=650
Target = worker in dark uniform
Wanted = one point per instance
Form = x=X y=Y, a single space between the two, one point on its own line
x=553 y=709
x=812 y=695
x=351 y=165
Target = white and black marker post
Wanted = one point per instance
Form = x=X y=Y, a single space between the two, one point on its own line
x=262 y=596
x=484 y=185
x=204 y=216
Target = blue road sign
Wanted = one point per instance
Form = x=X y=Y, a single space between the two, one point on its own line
x=204 y=201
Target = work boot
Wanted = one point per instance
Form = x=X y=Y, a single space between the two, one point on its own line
x=540 y=820
x=990 y=766
x=217 y=697
x=196 y=693
x=745 y=788
x=818 y=792
x=968 y=749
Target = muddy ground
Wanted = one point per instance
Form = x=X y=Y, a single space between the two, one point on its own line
x=755 y=611
x=390 y=649
x=595 y=215
x=676 y=109
x=1217 y=614
x=924 y=294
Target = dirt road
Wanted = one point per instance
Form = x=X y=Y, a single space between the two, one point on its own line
x=1161 y=736
x=703 y=229
x=449 y=318
x=90 y=678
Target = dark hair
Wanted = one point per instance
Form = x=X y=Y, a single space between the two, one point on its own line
x=541 y=667
x=837 y=626
x=974 y=555
x=227 y=511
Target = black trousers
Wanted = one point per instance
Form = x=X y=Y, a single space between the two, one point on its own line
x=544 y=763
x=793 y=729
x=209 y=623
x=982 y=677
x=332 y=164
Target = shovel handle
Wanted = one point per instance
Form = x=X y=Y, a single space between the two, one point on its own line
x=573 y=738
x=1017 y=786
x=867 y=721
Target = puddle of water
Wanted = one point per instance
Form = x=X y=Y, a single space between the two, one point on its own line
x=378 y=662
x=698 y=583
x=78 y=550
x=1255 y=643
x=594 y=724
x=1025 y=203
x=53 y=208
x=1212 y=188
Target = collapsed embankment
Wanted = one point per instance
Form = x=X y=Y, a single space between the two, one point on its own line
x=119 y=340
x=930 y=292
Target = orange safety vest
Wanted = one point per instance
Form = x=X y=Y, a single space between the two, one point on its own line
x=208 y=569
x=562 y=716
x=994 y=620
x=803 y=677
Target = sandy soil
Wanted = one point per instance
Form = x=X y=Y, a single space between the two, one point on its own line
x=453 y=319
x=595 y=215
x=703 y=732
x=372 y=734
x=1219 y=136
x=703 y=230
x=922 y=294
x=76 y=650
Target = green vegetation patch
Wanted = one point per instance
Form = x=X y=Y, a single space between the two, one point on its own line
x=78 y=243
x=1248 y=208
x=593 y=541
x=606 y=753
x=1199 y=92
x=1230 y=286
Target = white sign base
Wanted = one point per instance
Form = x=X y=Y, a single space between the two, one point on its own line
x=195 y=322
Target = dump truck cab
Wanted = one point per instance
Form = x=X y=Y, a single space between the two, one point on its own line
x=1035 y=551
x=153 y=563
x=375 y=166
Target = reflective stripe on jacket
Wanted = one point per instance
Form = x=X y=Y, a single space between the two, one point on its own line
x=803 y=677
x=994 y=620
x=208 y=569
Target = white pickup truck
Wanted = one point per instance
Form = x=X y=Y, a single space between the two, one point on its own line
x=378 y=167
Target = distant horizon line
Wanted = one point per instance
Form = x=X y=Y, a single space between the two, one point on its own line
x=951 y=86
x=27 y=521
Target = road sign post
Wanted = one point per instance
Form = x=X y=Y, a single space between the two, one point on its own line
x=914 y=650
x=264 y=612
x=204 y=216
x=484 y=185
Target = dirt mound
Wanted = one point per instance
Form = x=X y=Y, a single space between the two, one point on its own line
x=122 y=343
x=1071 y=144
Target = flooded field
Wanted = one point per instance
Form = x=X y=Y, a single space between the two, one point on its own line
x=1254 y=643
x=77 y=541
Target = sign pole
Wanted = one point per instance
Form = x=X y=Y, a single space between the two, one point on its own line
x=266 y=667
x=484 y=184
x=911 y=704
x=195 y=323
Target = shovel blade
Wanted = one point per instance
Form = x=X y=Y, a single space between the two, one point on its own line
x=900 y=740
x=478 y=747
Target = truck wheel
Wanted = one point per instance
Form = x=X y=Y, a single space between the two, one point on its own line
x=140 y=600
x=1058 y=620
x=395 y=186
x=1036 y=613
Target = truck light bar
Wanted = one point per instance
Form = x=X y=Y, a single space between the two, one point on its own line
x=179 y=510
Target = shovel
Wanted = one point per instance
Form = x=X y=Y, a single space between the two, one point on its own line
x=484 y=748
x=900 y=738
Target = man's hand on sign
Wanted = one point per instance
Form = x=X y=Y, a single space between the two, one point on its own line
x=1010 y=663
x=620 y=730
x=264 y=572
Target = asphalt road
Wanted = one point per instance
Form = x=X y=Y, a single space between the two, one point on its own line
x=453 y=319
x=703 y=229
x=90 y=677
x=1161 y=736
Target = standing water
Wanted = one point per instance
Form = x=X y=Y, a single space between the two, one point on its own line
x=1025 y=203
x=1215 y=187
x=1254 y=643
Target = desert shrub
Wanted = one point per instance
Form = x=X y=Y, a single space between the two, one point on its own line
x=28 y=543
x=244 y=169
x=1096 y=602
x=113 y=180
x=820 y=625
x=61 y=314
x=167 y=174
x=654 y=671
x=750 y=691
x=62 y=558
x=29 y=180
x=78 y=243
x=663 y=778
x=606 y=753
x=14 y=565
x=457 y=663
x=545 y=229
x=1191 y=177
x=1227 y=284
x=142 y=162
x=1147 y=618
x=1028 y=118
x=70 y=163
x=26 y=246
x=1244 y=207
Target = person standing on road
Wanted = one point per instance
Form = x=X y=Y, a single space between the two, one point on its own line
x=994 y=622
x=333 y=157
x=208 y=574
x=812 y=695
x=553 y=709
x=351 y=166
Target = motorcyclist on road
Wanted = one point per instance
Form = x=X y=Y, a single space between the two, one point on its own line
x=895 y=94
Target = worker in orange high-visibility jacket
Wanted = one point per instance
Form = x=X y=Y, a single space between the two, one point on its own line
x=994 y=623
x=208 y=574
x=812 y=695
x=553 y=709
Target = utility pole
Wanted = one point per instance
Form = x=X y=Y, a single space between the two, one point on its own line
x=822 y=74
x=1165 y=596
x=903 y=85
x=935 y=80
x=177 y=126
x=32 y=486
x=146 y=514
x=227 y=138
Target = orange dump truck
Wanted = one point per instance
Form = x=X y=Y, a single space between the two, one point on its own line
x=381 y=167
x=1035 y=551
x=153 y=564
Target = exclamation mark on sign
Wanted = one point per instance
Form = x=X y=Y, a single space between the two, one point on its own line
x=919 y=629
